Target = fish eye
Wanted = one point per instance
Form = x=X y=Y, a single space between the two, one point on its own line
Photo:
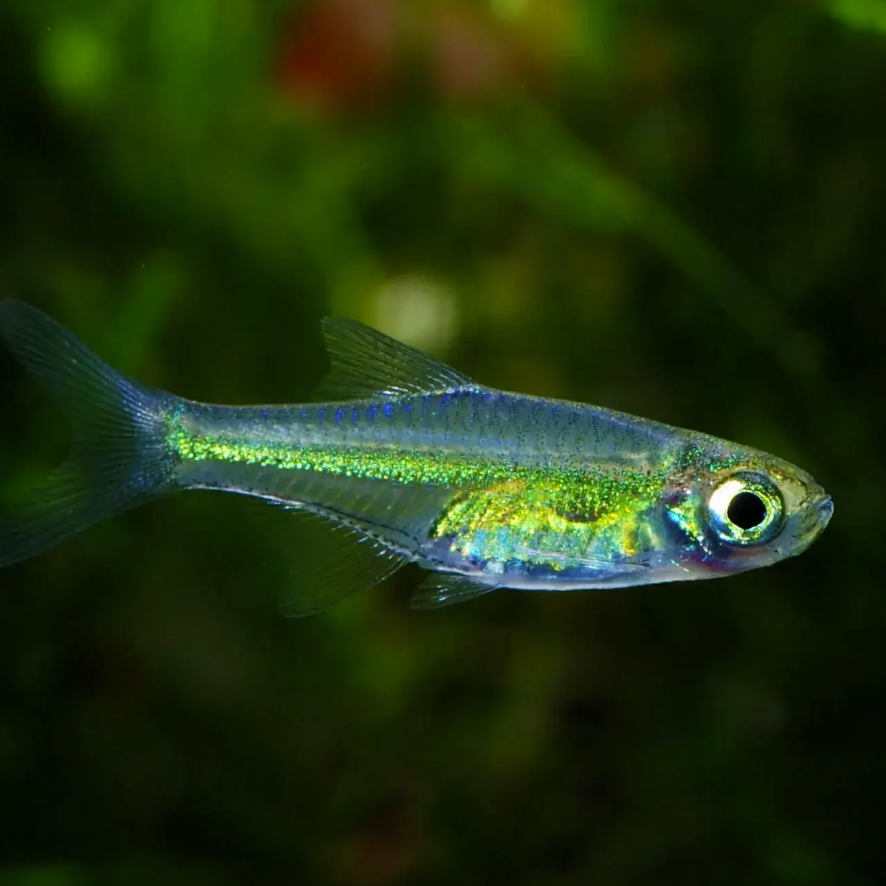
x=746 y=509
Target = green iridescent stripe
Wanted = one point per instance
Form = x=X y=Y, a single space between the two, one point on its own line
x=513 y=494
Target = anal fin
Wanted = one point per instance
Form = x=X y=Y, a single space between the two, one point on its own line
x=326 y=562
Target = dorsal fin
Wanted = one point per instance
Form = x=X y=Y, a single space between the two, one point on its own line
x=366 y=363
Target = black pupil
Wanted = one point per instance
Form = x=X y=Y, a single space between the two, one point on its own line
x=746 y=510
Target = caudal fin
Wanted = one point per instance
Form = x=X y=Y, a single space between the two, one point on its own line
x=118 y=458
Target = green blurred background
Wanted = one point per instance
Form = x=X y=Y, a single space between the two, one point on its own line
x=671 y=207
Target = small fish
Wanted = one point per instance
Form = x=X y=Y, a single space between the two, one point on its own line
x=402 y=459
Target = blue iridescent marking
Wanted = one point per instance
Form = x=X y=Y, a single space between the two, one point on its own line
x=339 y=415
x=355 y=416
x=371 y=412
x=321 y=415
x=388 y=410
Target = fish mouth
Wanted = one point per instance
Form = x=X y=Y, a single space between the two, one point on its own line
x=818 y=515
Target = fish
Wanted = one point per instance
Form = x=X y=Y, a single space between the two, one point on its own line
x=398 y=458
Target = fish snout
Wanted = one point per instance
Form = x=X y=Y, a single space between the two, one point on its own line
x=814 y=519
x=824 y=511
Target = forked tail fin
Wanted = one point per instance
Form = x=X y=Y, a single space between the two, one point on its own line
x=118 y=458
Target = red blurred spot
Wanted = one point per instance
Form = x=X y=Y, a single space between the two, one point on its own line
x=469 y=57
x=340 y=52
x=346 y=54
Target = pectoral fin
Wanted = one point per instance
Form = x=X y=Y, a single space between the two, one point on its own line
x=445 y=588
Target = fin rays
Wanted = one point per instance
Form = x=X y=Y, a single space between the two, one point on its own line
x=364 y=362
x=117 y=457
x=328 y=562
x=441 y=589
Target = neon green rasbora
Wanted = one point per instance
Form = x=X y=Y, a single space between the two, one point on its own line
x=402 y=459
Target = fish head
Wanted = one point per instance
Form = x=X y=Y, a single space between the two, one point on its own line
x=731 y=508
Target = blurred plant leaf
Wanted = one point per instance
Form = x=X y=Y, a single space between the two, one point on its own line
x=868 y=15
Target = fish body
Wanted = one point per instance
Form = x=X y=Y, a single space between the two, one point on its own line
x=404 y=459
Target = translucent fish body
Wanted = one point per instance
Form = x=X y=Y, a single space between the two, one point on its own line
x=412 y=461
x=531 y=492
